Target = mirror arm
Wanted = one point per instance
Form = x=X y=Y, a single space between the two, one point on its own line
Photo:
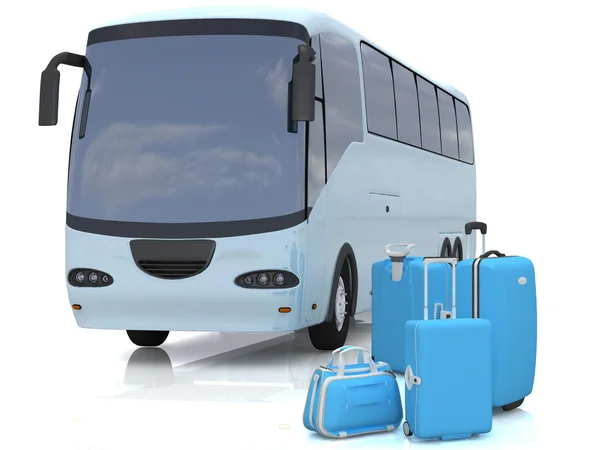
x=73 y=60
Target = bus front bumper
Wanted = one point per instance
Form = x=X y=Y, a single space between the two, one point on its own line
x=209 y=301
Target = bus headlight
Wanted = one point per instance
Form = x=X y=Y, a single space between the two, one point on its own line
x=267 y=279
x=89 y=278
x=279 y=279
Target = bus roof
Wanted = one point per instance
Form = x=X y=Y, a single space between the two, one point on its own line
x=314 y=21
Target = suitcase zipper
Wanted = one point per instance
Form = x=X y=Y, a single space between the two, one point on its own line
x=312 y=400
x=329 y=369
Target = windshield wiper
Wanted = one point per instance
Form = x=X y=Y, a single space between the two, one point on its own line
x=87 y=68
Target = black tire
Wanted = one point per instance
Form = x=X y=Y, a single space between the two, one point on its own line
x=147 y=338
x=457 y=249
x=446 y=250
x=325 y=336
x=513 y=405
x=406 y=429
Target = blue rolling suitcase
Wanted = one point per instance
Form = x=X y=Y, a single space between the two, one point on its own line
x=502 y=289
x=397 y=297
x=352 y=399
x=448 y=377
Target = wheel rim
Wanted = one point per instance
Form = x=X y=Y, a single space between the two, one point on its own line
x=340 y=304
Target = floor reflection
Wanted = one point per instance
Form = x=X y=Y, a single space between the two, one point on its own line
x=266 y=371
x=277 y=372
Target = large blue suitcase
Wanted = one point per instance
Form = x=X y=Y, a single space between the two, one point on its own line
x=352 y=399
x=502 y=289
x=396 y=302
x=448 y=377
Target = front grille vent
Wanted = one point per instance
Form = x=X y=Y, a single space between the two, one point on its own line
x=172 y=270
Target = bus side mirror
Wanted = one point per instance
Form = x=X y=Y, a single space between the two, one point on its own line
x=303 y=85
x=50 y=85
x=49 y=89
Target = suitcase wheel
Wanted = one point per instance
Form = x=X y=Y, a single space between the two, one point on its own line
x=406 y=429
x=513 y=405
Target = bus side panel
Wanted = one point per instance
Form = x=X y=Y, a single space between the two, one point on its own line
x=427 y=194
x=318 y=268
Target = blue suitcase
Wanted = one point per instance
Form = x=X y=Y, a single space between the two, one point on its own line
x=502 y=290
x=448 y=377
x=352 y=399
x=398 y=298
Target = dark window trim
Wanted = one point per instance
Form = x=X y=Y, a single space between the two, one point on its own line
x=318 y=37
x=185 y=230
x=319 y=103
x=307 y=209
x=324 y=105
x=195 y=27
x=395 y=104
x=362 y=42
x=418 y=108
x=456 y=121
x=437 y=101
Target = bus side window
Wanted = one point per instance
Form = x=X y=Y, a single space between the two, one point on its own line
x=448 y=124
x=430 y=118
x=316 y=157
x=342 y=97
x=465 y=133
x=379 y=93
x=407 y=105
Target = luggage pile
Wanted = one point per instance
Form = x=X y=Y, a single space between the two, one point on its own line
x=460 y=358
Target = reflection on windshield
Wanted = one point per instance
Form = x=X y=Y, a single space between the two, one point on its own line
x=189 y=129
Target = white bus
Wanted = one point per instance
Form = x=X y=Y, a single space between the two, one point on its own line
x=239 y=170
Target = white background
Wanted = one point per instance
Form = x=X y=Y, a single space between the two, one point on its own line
x=530 y=71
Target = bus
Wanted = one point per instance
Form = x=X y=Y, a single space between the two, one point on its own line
x=240 y=170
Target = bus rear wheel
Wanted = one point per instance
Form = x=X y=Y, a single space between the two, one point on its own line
x=332 y=334
x=147 y=338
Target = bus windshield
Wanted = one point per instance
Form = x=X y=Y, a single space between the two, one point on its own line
x=188 y=129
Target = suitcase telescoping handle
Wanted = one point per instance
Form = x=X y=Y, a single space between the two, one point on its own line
x=469 y=228
x=435 y=260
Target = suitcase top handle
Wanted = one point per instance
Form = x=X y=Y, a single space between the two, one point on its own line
x=492 y=252
x=397 y=253
x=341 y=366
x=438 y=260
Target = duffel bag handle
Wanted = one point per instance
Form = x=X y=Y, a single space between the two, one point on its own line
x=361 y=352
x=360 y=358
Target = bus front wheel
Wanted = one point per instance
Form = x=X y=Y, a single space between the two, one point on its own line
x=332 y=334
x=147 y=338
